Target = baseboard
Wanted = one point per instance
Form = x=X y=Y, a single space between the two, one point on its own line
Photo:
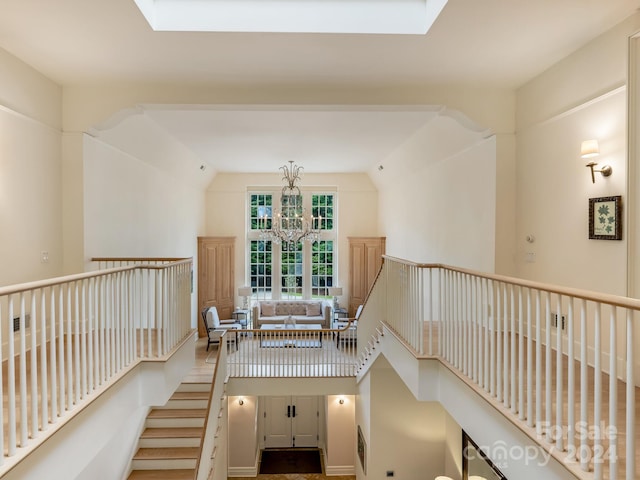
x=340 y=470
x=242 y=472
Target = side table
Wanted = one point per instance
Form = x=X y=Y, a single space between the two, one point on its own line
x=339 y=313
x=243 y=317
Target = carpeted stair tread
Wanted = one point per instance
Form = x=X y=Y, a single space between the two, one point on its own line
x=169 y=453
x=182 y=474
x=177 y=413
x=177 y=432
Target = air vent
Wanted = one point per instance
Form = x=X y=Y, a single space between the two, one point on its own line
x=16 y=322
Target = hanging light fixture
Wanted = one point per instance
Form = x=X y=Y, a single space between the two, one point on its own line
x=290 y=224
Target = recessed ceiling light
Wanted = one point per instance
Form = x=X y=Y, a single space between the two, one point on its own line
x=287 y=16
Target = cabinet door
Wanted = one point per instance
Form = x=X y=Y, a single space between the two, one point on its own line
x=365 y=260
x=216 y=278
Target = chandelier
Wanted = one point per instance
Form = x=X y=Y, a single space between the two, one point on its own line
x=290 y=224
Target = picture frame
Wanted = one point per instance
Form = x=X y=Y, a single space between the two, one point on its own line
x=362 y=450
x=605 y=218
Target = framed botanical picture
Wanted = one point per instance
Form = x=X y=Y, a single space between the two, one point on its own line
x=362 y=450
x=605 y=218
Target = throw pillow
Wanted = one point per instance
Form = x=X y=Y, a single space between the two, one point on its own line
x=283 y=308
x=314 y=310
x=298 y=308
x=268 y=309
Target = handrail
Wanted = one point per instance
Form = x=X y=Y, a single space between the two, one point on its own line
x=609 y=299
x=138 y=259
x=64 y=339
x=526 y=345
x=211 y=424
x=292 y=352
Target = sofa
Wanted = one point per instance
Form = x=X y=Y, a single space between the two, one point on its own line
x=301 y=311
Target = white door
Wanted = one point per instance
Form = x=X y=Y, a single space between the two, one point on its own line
x=305 y=421
x=291 y=422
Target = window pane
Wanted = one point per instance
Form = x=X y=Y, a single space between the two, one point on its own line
x=259 y=207
x=260 y=268
x=322 y=206
x=291 y=271
x=321 y=268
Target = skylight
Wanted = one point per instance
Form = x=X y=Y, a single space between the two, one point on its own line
x=413 y=17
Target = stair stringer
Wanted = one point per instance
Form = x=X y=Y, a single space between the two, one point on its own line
x=369 y=353
x=492 y=427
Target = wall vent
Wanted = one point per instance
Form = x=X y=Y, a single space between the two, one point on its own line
x=16 y=322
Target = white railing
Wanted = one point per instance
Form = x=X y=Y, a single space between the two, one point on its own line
x=65 y=339
x=514 y=340
x=211 y=464
x=293 y=353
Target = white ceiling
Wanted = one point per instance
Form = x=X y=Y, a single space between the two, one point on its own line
x=500 y=43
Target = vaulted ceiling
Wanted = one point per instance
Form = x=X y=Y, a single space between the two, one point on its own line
x=497 y=43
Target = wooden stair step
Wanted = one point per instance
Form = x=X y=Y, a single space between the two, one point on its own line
x=182 y=474
x=194 y=387
x=177 y=432
x=190 y=396
x=177 y=413
x=171 y=453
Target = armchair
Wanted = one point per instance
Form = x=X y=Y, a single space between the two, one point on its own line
x=348 y=332
x=215 y=327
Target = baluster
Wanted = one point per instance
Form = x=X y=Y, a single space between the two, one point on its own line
x=24 y=418
x=571 y=383
x=69 y=350
x=11 y=382
x=492 y=341
x=34 y=367
x=52 y=349
x=2 y=410
x=597 y=394
x=631 y=399
x=521 y=374
x=584 y=447
x=76 y=343
x=612 y=430
x=61 y=357
x=559 y=374
x=43 y=363
x=530 y=419
x=547 y=364
x=538 y=367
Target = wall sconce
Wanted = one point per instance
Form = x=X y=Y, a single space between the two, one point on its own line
x=241 y=401
x=335 y=292
x=245 y=292
x=590 y=149
x=341 y=401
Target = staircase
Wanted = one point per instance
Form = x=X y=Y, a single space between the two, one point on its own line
x=170 y=443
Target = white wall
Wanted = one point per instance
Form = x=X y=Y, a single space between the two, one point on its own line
x=133 y=209
x=409 y=435
x=133 y=206
x=579 y=98
x=341 y=435
x=437 y=197
x=554 y=191
x=226 y=212
x=30 y=162
x=243 y=435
